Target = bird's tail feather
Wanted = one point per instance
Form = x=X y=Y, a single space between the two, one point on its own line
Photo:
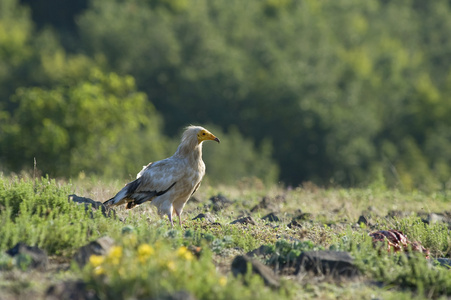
x=109 y=202
x=116 y=200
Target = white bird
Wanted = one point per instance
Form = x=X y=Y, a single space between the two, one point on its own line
x=169 y=183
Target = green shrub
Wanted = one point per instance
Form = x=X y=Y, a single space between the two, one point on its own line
x=150 y=271
x=38 y=212
x=434 y=237
x=6 y=262
x=405 y=270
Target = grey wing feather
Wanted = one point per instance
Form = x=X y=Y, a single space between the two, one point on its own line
x=134 y=194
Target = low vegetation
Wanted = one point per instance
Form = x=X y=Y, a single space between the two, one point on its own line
x=151 y=259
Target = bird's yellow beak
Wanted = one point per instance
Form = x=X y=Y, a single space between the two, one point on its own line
x=206 y=136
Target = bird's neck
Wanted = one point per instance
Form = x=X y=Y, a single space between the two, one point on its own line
x=190 y=151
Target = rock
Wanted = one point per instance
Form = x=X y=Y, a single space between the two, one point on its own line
x=100 y=246
x=245 y=220
x=208 y=217
x=73 y=290
x=263 y=250
x=303 y=217
x=33 y=256
x=219 y=202
x=437 y=218
x=269 y=203
x=294 y=224
x=433 y=218
x=444 y=262
x=127 y=229
x=240 y=267
x=362 y=219
x=271 y=217
x=335 y=263
x=90 y=205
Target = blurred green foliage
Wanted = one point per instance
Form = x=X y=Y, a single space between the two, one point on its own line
x=84 y=127
x=335 y=92
x=37 y=212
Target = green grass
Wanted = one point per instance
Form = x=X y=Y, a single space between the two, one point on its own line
x=38 y=212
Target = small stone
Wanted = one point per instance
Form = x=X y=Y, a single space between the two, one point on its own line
x=219 y=202
x=303 y=217
x=207 y=217
x=245 y=220
x=362 y=219
x=436 y=218
x=444 y=262
x=38 y=258
x=73 y=290
x=271 y=217
x=240 y=267
x=100 y=246
x=269 y=203
x=263 y=250
x=127 y=229
x=91 y=205
x=335 y=263
x=294 y=224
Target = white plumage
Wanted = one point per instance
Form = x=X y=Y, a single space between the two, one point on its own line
x=169 y=183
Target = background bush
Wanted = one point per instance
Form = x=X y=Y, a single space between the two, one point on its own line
x=333 y=92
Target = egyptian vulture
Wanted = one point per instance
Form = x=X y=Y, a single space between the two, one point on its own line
x=169 y=183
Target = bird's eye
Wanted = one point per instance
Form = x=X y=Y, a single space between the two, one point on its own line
x=203 y=133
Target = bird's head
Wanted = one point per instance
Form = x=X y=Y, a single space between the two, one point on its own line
x=205 y=135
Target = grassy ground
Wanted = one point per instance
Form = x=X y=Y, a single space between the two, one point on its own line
x=150 y=259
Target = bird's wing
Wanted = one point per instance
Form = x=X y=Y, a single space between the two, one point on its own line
x=143 y=170
x=155 y=180
x=157 y=176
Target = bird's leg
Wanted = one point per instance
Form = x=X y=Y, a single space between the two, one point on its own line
x=170 y=220
x=179 y=215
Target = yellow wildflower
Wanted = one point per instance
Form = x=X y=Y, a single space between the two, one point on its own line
x=115 y=251
x=115 y=254
x=96 y=260
x=170 y=265
x=144 y=252
x=222 y=281
x=99 y=270
x=183 y=252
